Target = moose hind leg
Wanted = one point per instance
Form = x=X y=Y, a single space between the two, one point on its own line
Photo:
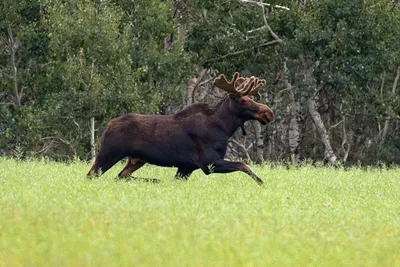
x=223 y=166
x=132 y=166
x=104 y=161
x=183 y=174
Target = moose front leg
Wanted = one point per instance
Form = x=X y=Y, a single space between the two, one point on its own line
x=223 y=166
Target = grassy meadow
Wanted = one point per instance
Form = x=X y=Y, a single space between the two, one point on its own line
x=50 y=215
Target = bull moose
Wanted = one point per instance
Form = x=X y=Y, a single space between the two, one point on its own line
x=194 y=138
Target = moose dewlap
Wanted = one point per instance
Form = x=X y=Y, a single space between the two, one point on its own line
x=195 y=138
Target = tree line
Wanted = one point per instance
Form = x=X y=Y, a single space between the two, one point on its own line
x=332 y=71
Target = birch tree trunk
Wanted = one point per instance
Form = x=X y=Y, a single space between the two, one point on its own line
x=12 y=46
x=192 y=86
x=386 y=125
x=322 y=132
x=346 y=143
x=310 y=81
x=259 y=143
x=294 y=133
x=92 y=140
x=294 y=108
x=190 y=92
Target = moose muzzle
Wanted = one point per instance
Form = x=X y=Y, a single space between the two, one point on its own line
x=264 y=115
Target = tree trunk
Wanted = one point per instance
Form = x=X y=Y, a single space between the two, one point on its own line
x=92 y=142
x=294 y=109
x=245 y=154
x=311 y=83
x=347 y=137
x=192 y=86
x=190 y=92
x=386 y=125
x=321 y=129
x=259 y=143
x=294 y=135
x=11 y=43
x=281 y=140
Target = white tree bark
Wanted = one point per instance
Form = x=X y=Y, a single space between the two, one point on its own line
x=386 y=125
x=192 y=86
x=294 y=110
x=245 y=152
x=190 y=91
x=92 y=140
x=259 y=143
x=322 y=132
x=294 y=134
x=261 y=4
x=12 y=49
x=310 y=81
x=346 y=142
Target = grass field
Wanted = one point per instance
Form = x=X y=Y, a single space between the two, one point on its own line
x=50 y=215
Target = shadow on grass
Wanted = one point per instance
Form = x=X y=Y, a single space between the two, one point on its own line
x=140 y=179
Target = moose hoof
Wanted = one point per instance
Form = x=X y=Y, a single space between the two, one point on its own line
x=258 y=180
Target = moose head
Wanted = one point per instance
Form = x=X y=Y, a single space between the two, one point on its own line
x=241 y=92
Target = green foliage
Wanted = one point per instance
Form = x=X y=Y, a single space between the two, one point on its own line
x=388 y=153
x=222 y=29
x=17 y=19
x=84 y=59
x=91 y=56
x=52 y=215
x=18 y=153
x=159 y=70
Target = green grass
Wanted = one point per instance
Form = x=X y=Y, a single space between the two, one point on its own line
x=50 y=215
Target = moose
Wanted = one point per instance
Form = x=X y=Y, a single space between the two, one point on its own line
x=194 y=138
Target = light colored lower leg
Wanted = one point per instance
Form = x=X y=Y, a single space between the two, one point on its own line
x=132 y=165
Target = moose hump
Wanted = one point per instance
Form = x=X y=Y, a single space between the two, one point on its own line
x=197 y=108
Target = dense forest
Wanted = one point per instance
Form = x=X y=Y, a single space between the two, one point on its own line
x=332 y=69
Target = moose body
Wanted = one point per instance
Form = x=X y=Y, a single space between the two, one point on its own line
x=195 y=138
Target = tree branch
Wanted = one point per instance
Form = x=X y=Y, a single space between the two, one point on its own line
x=336 y=125
x=396 y=80
x=274 y=35
x=266 y=25
x=261 y=4
x=242 y=147
x=203 y=73
x=241 y=51
x=5 y=74
x=383 y=76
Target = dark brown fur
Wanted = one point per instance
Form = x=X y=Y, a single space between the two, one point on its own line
x=195 y=138
x=196 y=108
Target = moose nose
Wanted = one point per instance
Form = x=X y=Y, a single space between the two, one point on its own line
x=270 y=116
x=267 y=114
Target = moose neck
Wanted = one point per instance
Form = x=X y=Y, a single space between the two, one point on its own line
x=228 y=121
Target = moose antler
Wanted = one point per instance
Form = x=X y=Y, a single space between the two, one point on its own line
x=222 y=83
x=240 y=86
x=250 y=86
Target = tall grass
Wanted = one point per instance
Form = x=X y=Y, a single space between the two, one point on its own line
x=50 y=215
